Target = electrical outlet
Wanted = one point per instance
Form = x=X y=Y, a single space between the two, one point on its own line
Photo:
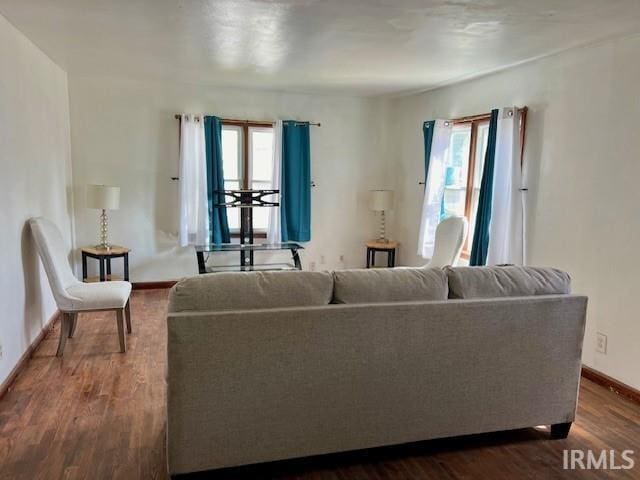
x=341 y=258
x=601 y=343
x=322 y=260
x=312 y=266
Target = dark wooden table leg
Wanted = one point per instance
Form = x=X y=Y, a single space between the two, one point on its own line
x=389 y=258
x=373 y=257
x=296 y=258
x=108 y=268
x=202 y=267
x=101 y=262
x=126 y=267
x=84 y=267
x=368 y=257
x=393 y=258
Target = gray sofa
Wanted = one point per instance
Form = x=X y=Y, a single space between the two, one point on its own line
x=270 y=366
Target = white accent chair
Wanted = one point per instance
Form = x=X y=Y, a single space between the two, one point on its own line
x=450 y=236
x=71 y=295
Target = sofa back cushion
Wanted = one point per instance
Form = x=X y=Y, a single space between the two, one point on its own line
x=389 y=285
x=508 y=281
x=251 y=290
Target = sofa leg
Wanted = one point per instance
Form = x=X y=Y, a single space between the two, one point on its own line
x=560 y=430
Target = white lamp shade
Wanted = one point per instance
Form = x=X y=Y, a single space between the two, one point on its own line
x=381 y=200
x=103 y=197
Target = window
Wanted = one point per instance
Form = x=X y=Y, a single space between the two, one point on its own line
x=463 y=176
x=247 y=157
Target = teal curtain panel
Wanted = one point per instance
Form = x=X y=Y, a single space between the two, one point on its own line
x=295 y=189
x=427 y=129
x=218 y=224
x=480 y=243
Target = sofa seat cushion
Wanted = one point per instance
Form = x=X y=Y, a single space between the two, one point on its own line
x=251 y=290
x=508 y=281
x=389 y=285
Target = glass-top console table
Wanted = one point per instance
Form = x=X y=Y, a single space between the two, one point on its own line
x=246 y=251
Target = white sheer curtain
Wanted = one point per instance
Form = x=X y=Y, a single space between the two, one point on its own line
x=194 y=221
x=434 y=187
x=506 y=232
x=274 y=234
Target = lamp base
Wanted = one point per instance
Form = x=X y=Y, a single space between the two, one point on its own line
x=383 y=237
x=104 y=232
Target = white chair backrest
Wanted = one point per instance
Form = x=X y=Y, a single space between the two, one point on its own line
x=54 y=254
x=450 y=236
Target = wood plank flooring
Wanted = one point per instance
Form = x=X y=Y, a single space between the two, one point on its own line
x=99 y=414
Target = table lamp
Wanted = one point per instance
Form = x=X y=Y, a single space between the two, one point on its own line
x=103 y=197
x=381 y=201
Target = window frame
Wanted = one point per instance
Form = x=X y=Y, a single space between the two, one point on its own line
x=475 y=121
x=245 y=159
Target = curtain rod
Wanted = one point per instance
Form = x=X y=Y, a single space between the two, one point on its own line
x=482 y=116
x=178 y=116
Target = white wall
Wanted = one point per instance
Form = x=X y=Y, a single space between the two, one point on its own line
x=124 y=133
x=36 y=171
x=582 y=150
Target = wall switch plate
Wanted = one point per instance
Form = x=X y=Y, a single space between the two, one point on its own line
x=341 y=258
x=601 y=343
x=322 y=260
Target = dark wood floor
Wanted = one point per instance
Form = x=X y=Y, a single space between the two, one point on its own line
x=98 y=414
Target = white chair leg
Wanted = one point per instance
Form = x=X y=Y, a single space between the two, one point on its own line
x=121 y=335
x=127 y=310
x=65 y=328
x=74 y=322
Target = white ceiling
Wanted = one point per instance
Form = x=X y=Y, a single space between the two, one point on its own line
x=353 y=46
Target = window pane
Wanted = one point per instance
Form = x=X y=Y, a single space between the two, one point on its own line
x=261 y=214
x=481 y=151
x=261 y=147
x=231 y=137
x=233 y=214
x=457 y=167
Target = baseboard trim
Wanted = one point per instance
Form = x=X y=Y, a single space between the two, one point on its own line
x=153 y=285
x=611 y=383
x=26 y=356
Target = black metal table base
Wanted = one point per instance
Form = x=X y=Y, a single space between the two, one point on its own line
x=104 y=264
x=371 y=256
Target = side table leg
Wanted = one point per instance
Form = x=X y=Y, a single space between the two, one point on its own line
x=108 y=268
x=368 y=258
x=101 y=262
x=126 y=267
x=84 y=267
